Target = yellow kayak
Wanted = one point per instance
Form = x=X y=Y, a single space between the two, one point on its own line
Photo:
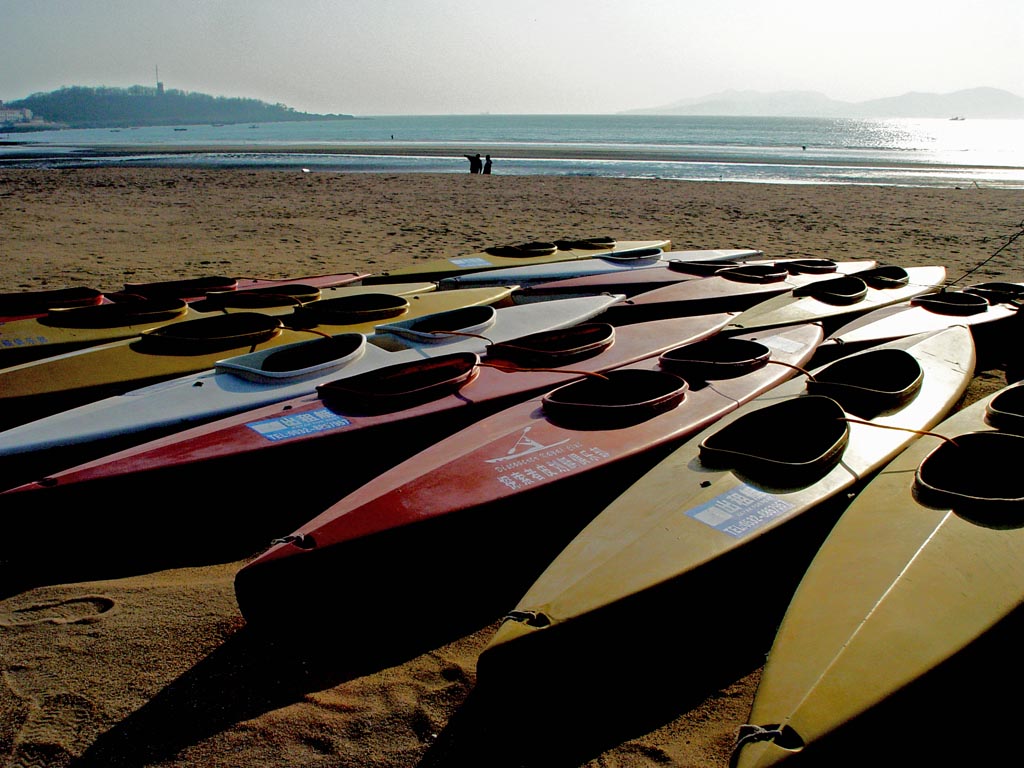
x=66 y=330
x=693 y=564
x=516 y=255
x=31 y=390
x=930 y=559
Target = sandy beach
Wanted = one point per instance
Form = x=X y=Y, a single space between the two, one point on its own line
x=159 y=669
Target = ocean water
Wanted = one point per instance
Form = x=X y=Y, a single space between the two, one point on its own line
x=901 y=152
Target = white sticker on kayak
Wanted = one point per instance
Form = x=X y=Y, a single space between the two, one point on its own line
x=530 y=463
x=740 y=511
x=307 y=423
x=471 y=261
x=782 y=344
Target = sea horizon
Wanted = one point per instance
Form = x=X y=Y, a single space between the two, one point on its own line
x=891 y=152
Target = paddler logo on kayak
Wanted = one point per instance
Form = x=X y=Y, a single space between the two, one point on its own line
x=524 y=446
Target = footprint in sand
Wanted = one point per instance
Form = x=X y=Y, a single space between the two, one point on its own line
x=74 y=611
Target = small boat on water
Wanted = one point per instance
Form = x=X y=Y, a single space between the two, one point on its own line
x=264 y=377
x=503 y=494
x=690 y=568
x=930 y=556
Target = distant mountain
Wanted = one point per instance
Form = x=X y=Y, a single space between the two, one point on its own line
x=974 y=102
x=81 y=107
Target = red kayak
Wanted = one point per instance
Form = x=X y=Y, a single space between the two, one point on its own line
x=267 y=470
x=472 y=519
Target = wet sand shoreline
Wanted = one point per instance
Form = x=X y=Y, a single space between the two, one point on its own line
x=457 y=150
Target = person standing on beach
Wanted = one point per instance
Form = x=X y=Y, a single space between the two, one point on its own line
x=474 y=163
x=487 y=164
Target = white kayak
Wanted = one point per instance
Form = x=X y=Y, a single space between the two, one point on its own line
x=622 y=261
x=733 y=289
x=986 y=304
x=514 y=255
x=263 y=377
x=841 y=297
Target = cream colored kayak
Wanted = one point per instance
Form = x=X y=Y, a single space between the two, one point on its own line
x=32 y=390
x=733 y=289
x=842 y=297
x=696 y=560
x=925 y=570
x=613 y=264
x=65 y=330
x=972 y=306
x=515 y=255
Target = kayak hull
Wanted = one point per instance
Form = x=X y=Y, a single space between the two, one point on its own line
x=930 y=590
x=39 y=388
x=732 y=290
x=656 y=584
x=792 y=308
x=239 y=384
x=309 y=432
x=484 y=260
x=623 y=262
x=64 y=331
x=491 y=491
x=987 y=323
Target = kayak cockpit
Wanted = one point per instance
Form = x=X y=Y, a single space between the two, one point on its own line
x=523 y=250
x=297 y=361
x=293 y=294
x=719 y=357
x=837 y=291
x=615 y=399
x=442 y=327
x=208 y=335
x=976 y=474
x=789 y=444
x=958 y=303
x=177 y=289
x=117 y=315
x=871 y=383
x=397 y=387
x=28 y=303
x=552 y=348
x=349 y=310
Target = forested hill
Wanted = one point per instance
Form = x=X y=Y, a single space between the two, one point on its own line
x=82 y=107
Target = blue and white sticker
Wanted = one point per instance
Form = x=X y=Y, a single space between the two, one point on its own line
x=471 y=261
x=23 y=341
x=308 y=423
x=740 y=511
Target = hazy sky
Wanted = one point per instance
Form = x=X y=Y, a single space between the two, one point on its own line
x=387 y=57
